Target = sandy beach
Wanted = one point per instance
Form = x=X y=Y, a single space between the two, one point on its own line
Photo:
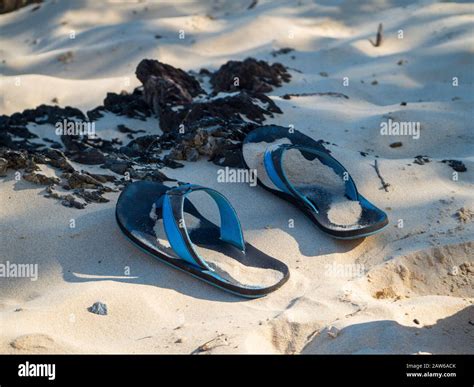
x=406 y=290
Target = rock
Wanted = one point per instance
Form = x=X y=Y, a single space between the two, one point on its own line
x=57 y=159
x=90 y=156
x=73 y=143
x=70 y=201
x=18 y=160
x=421 y=160
x=118 y=166
x=98 y=308
x=228 y=154
x=130 y=105
x=96 y=113
x=38 y=178
x=192 y=154
x=219 y=112
x=66 y=200
x=170 y=163
x=3 y=167
x=54 y=144
x=94 y=196
x=6 y=140
x=457 y=165
x=13 y=5
x=150 y=175
x=165 y=85
x=205 y=72
x=81 y=180
x=47 y=114
x=142 y=146
x=252 y=75
x=101 y=178
x=123 y=104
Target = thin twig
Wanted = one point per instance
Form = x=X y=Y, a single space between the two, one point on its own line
x=252 y=4
x=321 y=94
x=379 y=37
x=385 y=185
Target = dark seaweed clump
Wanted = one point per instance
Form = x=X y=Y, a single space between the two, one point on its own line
x=194 y=123
x=457 y=165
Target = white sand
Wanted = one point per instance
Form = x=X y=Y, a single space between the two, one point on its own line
x=418 y=271
x=344 y=212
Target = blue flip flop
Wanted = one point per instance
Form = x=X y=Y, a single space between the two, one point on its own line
x=163 y=222
x=300 y=170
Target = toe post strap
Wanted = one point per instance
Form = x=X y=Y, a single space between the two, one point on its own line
x=172 y=205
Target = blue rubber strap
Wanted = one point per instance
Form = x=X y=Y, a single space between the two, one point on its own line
x=273 y=159
x=272 y=172
x=175 y=228
x=231 y=231
x=172 y=229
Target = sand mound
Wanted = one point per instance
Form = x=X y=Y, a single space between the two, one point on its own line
x=452 y=334
x=35 y=343
x=446 y=270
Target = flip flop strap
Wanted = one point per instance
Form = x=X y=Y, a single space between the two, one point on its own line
x=273 y=163
x=175 y=228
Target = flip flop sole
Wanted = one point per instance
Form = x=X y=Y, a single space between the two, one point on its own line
x=133 y=217
x=376 y=218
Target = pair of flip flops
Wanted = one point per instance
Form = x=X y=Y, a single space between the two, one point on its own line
x=162 y=220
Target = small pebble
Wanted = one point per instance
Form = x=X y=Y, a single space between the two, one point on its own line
x=98 y=308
